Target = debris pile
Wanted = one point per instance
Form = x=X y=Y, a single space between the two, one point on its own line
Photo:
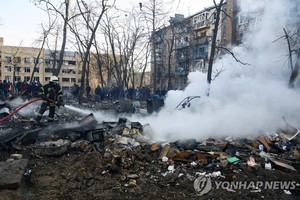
x=119 y=160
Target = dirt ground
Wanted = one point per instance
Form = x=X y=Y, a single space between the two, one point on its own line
x=89 y=175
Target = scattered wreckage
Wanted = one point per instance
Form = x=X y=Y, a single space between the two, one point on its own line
x=123 y=142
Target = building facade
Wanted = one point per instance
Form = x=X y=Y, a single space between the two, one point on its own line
x=184 y=46
x=18 y=63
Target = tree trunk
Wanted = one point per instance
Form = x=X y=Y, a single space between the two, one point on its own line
x=213 y=45
x=295 y=72
x=63 y=45
x=87 y=52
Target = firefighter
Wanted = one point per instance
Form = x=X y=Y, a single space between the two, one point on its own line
x=52 y=96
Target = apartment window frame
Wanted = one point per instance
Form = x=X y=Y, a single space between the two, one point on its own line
x=27 y=60
x=7 y=69
x=8 y=59
x=27 y=69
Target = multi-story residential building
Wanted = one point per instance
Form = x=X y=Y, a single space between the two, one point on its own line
x=184 y=46
x=17 y=63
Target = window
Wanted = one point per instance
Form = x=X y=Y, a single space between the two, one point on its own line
x=48 y=70
x=17 y=59
x=71 y=62
x=36 y=79
x=18 y=78
x=37 y=70
x=26 y=60
x=200 y=17
x=36 y=61
x=73 y=80
x=200 y=52
x=7 y=69
x=68 y=71
x=8 y=59
x=201 y=34
x=65 y=80
x=158 y=53
x=27 y=69
x=8 y=78
x=18 y=69
x=26 y=78
x=182 y=55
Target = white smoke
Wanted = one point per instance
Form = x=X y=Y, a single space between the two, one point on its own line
x=245 y=100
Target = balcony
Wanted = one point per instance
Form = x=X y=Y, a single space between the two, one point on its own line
x=201 y=24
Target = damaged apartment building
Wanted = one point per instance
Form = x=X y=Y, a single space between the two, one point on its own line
x=185 y=45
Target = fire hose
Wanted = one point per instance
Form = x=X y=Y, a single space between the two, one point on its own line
x=19 y=108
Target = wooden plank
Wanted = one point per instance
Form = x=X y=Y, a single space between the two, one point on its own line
x=164 y=151
x=264 y=142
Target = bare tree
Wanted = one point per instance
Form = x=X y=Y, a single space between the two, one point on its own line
x=292 y=38
x=293 y=43
x=112 y=39
x=92 y=21
x=100 y=63
x=153 y=14
x=215 y=48
x=128 y=40
x=46 y=31
x=63 y=11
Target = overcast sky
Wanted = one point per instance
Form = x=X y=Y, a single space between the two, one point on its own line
x=20 y=20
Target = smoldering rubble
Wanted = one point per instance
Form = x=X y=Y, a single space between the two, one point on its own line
x=80 y=157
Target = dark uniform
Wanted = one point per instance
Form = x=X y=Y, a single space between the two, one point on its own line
x=52 y=96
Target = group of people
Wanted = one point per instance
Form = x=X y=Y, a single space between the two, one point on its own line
x=19 y=88
x=75 y=91
x=52 y=95
x=114 y=93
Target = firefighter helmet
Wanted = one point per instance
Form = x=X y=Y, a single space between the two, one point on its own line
x=53 y=79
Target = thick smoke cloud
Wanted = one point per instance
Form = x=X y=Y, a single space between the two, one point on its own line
x=245 y=100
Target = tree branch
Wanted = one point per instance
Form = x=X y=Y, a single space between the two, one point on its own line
x=233 y=55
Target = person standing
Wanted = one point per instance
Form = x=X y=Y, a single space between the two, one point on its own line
x=52 y=96
x=88 y=91
x=5 y=88
x=98 y=91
